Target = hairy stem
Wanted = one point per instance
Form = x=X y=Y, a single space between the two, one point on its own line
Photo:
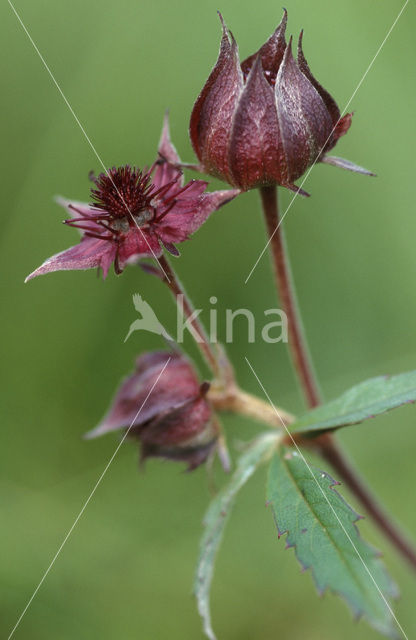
x=297 y=343
x=329 y=450
x=198 y=331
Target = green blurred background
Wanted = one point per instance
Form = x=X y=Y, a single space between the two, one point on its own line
x=126 y=571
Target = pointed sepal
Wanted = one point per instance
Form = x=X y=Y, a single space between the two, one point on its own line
x=341 y=163
x=271 y=53
x=213 y=111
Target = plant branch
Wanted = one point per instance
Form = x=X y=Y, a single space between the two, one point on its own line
x=224 y=393
x=297 y=343
x=198 y=331
x=325 y=444
x=237 y=401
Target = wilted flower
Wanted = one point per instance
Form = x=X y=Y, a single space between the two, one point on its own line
x=266 y=120
x=163 y=405
x=135 y=213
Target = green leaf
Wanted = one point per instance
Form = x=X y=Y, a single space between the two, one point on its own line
x=216 y=516
x=320 y=526
x=366 y=400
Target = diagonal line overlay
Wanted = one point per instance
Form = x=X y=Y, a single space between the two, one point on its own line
x=327 y=500
x=84 y=133
x=323 y=147
x=85 y=504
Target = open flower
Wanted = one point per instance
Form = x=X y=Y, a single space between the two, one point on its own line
x=266 y=120
x=163 y=405
x=135 y=213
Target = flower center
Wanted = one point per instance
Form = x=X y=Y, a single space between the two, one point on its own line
x=124 y=194
x=138 y=220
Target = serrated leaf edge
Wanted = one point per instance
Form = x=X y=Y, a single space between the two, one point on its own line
x=357 y=614
x=225 y=500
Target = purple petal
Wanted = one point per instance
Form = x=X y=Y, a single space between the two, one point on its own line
x=256 y=153
x=341 y=129
x=179 y=425
x=166 y=171
x=77 y=209
x=213 y=111
x=194 y=188
x=84 y=209
x=340 y=125
x=138 y=243
x=193 y=456
x=107 y=260
x=173 y=231
x=166 y=148
x=212 y=201
x=187 y=216
x=271 y=53
x=177 y=384
x=329 y=101
x=304 y=120
x=89 y=253
x=346 y=164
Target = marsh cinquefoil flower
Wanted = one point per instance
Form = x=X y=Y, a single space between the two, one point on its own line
x=166 y=408
x=135 y=213
x=266 y=120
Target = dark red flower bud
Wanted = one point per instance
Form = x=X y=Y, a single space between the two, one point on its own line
x=266 y=120
x=163 y=405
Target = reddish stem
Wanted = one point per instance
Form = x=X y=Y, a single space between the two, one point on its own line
x=329 y=450
x=297 y=343
x=202 y=342
x=326 y=444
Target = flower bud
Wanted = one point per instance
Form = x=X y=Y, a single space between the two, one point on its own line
x=163 y=405
x=267 y=120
